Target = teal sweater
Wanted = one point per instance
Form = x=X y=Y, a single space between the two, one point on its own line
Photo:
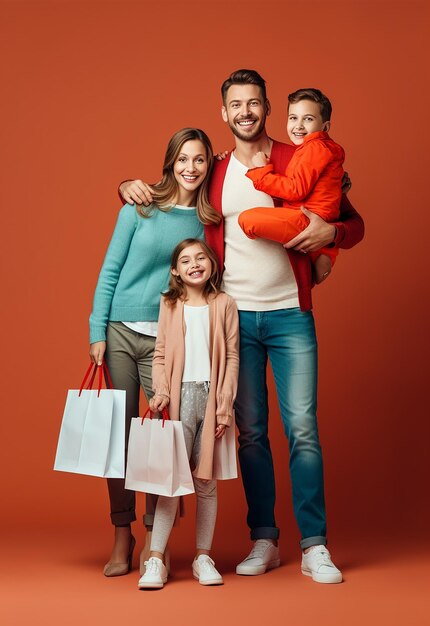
x=137 y=266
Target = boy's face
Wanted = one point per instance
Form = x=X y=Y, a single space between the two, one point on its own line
x=304 y=117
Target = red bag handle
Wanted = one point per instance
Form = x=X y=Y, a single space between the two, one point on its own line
x=102 y=369
x=164 y=413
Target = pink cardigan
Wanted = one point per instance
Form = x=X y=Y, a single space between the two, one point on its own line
x=168 y=366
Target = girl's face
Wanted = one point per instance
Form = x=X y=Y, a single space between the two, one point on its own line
x=193 y=267
x=190 y=169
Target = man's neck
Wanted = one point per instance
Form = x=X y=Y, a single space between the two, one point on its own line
x=245 y=150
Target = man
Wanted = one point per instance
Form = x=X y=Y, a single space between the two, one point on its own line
x=273 y=292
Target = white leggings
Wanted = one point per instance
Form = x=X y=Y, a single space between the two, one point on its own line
x=193 y=405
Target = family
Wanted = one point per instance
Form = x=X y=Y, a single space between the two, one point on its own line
x=234 y=254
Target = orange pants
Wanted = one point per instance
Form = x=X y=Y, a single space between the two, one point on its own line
x=278 y=224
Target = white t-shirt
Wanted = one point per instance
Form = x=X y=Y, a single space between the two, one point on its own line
x=197 y=366
x=150 y=328
x=258 y=272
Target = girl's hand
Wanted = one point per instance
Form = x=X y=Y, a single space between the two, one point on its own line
x=219 y=431
x=97 y=351
x=260 y=159
x=158 y=402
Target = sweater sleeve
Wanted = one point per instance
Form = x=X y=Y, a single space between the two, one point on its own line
x=350 y=230
x=111 y=269
x=300 y=176
x=159 y=379
x=227 y=394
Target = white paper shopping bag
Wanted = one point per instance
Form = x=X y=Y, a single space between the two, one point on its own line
x=157 y=459
x=92 y=435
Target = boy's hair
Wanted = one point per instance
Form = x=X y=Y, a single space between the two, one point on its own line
x=176 y=287
x=244 y=77
x=316 y=96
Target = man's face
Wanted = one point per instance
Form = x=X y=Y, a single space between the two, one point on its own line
x=245 y=111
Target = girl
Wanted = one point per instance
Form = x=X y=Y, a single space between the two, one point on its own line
x=194 y=371
x=123 y=323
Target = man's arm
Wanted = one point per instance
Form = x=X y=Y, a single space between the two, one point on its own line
x=345 y=233
x=135 y=191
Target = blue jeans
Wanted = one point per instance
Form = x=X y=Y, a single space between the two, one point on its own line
x=287 y=338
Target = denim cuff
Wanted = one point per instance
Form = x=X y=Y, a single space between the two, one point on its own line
x=313 y=541
x=264 y=532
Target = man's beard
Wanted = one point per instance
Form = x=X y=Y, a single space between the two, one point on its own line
x=257 y=130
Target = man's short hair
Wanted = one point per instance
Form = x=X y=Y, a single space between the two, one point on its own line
x=244 y=77
x=316 y=96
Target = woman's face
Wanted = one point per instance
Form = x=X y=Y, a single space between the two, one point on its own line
x=190 y=169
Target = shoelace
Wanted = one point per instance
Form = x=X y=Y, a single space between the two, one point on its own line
x=323 y=557
x=152 y=567
x=258 y=550
x=207 y=565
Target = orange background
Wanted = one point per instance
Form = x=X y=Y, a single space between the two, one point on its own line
x=92 y=91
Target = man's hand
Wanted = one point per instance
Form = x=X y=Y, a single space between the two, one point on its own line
x=158 y=402
x=260 y=159
x=315 y=236
x=220 y=156
x=136 y=191
x=346 y=183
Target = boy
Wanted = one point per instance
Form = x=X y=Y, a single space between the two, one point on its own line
x=313 y=178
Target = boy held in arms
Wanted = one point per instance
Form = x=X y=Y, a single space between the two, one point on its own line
x=313 y=178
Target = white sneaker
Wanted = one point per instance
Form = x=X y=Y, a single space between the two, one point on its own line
x=155 y=574
x=317 y=563
x=263 y=556
x=205 y=572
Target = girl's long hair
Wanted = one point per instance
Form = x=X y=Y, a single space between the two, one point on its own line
x=177 y=289
x=166 y=190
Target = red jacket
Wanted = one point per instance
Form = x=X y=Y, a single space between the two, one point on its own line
x=313 y=177
x=349 y=230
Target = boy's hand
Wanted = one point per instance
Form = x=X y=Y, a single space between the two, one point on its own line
x=136 y=191
x=219 y=431
x=221 y=155
x=315 y=236
x=346 y=183
x=260 y=159
x=158 y=402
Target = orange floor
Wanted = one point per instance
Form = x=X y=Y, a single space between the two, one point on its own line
x=55 y=578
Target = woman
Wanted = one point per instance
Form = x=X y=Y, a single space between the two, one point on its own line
x=123 y=322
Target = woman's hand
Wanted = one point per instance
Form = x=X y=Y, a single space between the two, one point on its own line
x=158 y=402
x=219 y=431
x=136 y=191
x=97 y=351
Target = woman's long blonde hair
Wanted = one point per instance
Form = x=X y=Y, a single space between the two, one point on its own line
x=177 y=289
x=166 y=191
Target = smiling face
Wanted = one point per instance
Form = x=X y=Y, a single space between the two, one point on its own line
x=193 y=267
x=245 y=111
x=304 y=117
x=190 y=169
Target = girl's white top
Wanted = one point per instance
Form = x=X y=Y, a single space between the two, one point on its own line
x=197 y=365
